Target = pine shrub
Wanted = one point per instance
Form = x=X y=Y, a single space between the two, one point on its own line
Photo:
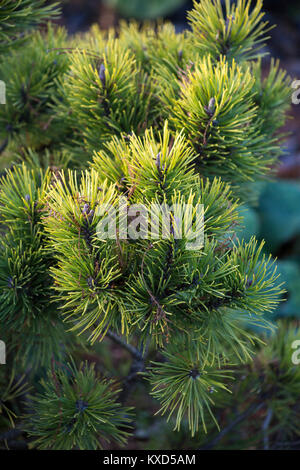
x=138 y=116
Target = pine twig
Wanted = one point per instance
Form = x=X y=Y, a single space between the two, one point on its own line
x=129 y=382
x=137 y=366
x=249 y=411
x=11 y=434
x=265 y=428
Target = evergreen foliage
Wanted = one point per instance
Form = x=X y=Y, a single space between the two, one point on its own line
x=18 y=17
x=32 y=323
x=12 y=387
x=97 y=124
x=77 y=409
x=279 y=381
x=108 y=91
x=238 y=32
x=183 y=383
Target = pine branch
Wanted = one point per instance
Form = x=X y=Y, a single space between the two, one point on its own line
x=130 y=381
x=137 y=355
x=213 y=116
x=137 y=366
x=253 y=408
x=11 y=434
x=265 y=428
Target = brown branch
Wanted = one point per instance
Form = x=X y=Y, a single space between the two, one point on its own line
x=137 y=366
x=249 y=411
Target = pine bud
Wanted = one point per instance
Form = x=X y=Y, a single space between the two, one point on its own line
x=194 y=373
x=211 y=105
x=90 y=216
x=158 y=161
x=102 y=75
x=10 y=282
